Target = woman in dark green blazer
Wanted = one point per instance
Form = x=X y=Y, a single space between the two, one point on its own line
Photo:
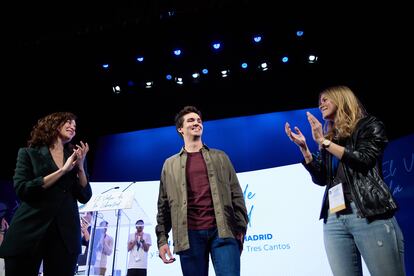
x=50 y=178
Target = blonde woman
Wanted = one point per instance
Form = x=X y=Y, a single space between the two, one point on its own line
x=357 y=208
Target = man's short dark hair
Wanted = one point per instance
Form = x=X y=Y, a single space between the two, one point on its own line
x=179 y=118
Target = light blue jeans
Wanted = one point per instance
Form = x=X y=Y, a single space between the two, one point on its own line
x=225 y=254
x=380 y=242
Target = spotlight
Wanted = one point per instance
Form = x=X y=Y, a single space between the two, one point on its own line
x=225 y=73
x=196 y=77
x=179 y=80
x=285 y=59
x=167 y=14
x=264 y=66
x=216 y=45
x=257 y=38
x=116 y=89
x=177 y=52
x=149 y=84
x=312 y=59
x=299 y=33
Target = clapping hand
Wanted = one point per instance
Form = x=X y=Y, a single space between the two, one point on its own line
x=298 y=138
x=70 y=163
x=317 y=131
x=81 y=151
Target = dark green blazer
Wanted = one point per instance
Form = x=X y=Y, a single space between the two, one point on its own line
x=40 y=207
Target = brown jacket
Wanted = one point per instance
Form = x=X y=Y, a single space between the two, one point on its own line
x=229 y=206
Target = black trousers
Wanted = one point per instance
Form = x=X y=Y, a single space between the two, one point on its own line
x=57 y=261
x=137 y=272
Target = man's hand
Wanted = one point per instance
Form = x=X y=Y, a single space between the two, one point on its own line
x=165 y=249
x=240 y=240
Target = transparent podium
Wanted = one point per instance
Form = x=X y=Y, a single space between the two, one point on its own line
x=104 y=251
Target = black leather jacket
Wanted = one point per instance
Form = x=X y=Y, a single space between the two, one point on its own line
x=362 y=163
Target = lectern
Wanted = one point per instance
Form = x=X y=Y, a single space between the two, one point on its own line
x=108 y=207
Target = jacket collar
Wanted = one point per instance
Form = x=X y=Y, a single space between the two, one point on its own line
x=44 y=150
x=205 y=147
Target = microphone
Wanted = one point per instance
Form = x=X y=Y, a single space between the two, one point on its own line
x=113 y=188
x=128 y=186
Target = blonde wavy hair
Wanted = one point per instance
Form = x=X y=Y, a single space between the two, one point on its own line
x=349 y=112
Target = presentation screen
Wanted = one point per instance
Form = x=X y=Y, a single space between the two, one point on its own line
x=284 y=235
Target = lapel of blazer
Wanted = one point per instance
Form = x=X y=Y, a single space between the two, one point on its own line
x=47 y=159
x=47 y=163
x=47 y=156
x=44 y=151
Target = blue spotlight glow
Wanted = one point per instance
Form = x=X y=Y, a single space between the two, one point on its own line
x=140 y=59
x=177 y=52
x=216 y=45
x=299 y=33
x=244 y=65
x=285 y=59
x=257 y=38
x=168 y=77
x=204 y=71
x=105 y=66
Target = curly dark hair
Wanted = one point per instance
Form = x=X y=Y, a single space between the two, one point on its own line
x=47 y=128
x=179 y=118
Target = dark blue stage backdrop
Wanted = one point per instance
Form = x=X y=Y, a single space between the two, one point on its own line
x=252 y=143
x=398 y=171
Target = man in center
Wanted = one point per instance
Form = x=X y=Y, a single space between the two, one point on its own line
x=201 y=200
